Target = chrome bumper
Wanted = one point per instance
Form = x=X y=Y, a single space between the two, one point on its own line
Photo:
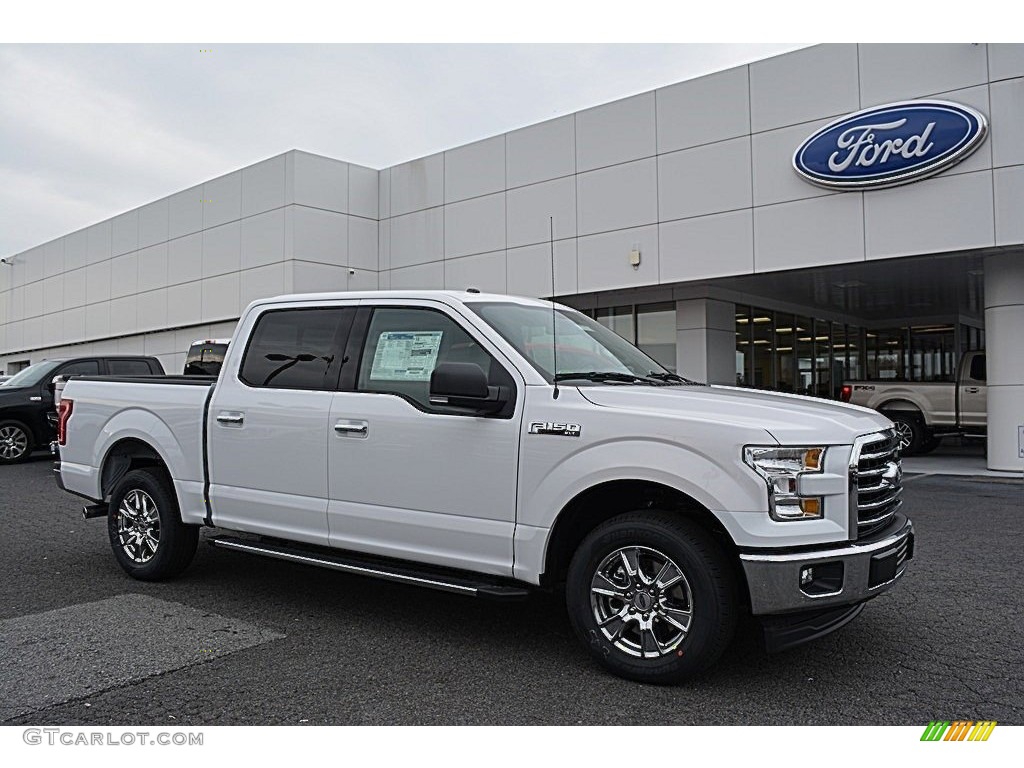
x=779 y=582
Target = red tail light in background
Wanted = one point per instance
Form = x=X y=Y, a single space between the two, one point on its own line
x=845 y=393
x=63 y=414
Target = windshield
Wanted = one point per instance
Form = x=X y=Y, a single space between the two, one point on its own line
x=32 y=375
x=584 y=345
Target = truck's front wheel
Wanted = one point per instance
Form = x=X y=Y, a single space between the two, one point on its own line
x=652 y=596
x=146 y=533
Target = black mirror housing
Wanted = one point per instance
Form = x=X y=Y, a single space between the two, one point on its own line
x=464 y=385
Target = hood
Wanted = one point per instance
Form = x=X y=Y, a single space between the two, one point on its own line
x=790 y=419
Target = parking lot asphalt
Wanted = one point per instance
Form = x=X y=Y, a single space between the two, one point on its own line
x=245 y=640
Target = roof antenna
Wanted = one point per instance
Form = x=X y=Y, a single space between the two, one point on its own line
x=554 y=323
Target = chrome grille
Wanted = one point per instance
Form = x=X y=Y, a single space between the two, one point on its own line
x=877 y=479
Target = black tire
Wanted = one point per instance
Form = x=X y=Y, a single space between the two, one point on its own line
x=911 y=430
x=929 y=444
x=146 y=533
x=16 y=441
x=708 y=587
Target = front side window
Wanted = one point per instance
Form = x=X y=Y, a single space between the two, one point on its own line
x=405 y=344
x=297 y=348
x=81 y=368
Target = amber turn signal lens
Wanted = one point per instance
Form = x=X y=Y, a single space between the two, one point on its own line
x=812 y=458
x=811 y=507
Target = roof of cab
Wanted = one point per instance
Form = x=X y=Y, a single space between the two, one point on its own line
x=458 y=297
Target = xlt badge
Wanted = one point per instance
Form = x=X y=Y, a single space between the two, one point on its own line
x=555 y=428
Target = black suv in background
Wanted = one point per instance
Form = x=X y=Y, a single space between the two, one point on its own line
x=26 y=400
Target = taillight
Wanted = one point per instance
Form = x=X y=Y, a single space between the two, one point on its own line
x=846 y=392
x=63 y=414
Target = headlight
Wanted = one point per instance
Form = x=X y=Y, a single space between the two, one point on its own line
x=781 y=469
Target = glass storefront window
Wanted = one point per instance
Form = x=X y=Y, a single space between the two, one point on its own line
x=743 y=349
x=651 y=327
x=618 y=319
x=761 y=341
x=656 y=332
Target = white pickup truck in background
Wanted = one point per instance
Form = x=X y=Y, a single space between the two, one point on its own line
x=925 y=412
x=430 y=438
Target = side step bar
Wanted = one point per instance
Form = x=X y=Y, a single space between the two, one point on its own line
x=378 y=570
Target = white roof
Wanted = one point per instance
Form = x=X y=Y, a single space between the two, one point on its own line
x=450 y=297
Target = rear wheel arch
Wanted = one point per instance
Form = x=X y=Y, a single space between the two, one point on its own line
x=902 y=406
x=124 y=456
x=600 y=503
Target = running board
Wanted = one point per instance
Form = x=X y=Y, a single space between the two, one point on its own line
x=352 y=564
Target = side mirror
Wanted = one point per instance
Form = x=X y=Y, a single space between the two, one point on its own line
x=464 y=385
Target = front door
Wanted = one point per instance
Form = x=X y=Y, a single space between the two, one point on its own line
x=411 y=479
x=269 y=424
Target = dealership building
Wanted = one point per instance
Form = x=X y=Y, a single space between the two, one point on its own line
x=762 y=226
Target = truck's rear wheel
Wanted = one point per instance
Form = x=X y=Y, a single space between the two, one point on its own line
x=910 y=430
x=146 y=533
x=652 y=597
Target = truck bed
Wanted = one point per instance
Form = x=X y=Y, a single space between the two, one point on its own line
x=165 y=411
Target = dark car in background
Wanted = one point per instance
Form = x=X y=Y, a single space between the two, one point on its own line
x=27 y=399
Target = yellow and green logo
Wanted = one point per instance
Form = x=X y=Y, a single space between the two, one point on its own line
x=958 y=730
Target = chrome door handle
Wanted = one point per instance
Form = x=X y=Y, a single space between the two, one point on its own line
x=230 y=418
x=971 y=390
x=35 y=399
x=352 y=427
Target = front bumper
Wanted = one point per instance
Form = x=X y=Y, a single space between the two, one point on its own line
x=842 y=575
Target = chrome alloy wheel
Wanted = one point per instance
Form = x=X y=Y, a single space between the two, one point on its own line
x=905 y=434
x=13 y=442
x=138 y=526
x=642 y=602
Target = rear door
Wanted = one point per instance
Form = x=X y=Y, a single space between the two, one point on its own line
x=268 y=423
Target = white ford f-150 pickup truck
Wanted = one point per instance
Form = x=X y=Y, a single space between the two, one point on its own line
x=488 y=445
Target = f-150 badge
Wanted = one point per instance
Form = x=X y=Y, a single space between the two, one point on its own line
x=555 y=428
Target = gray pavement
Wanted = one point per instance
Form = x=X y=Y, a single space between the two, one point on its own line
x=327 y=648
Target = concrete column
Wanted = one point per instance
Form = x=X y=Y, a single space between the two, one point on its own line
x=1004 y=329
x=706 y=340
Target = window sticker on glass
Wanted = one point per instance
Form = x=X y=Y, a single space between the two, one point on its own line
x=405 y=355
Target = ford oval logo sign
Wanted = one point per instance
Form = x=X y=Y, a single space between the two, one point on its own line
x=889 y=145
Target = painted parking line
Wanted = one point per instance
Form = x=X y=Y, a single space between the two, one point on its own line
x=68 y=653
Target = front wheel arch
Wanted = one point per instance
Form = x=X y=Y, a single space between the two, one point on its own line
x=599 y=503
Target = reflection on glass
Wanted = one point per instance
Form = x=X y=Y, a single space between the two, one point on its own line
x=656 y=332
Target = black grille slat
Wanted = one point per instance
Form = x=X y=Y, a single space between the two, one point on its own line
x=879 y=483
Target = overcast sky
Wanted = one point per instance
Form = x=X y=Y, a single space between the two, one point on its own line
x=88 y=131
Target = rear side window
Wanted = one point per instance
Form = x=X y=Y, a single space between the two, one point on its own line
x=297 y=348
x=129 y=367
x=978 y=368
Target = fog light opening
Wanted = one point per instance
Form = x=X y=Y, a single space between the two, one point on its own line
x=821 y=579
